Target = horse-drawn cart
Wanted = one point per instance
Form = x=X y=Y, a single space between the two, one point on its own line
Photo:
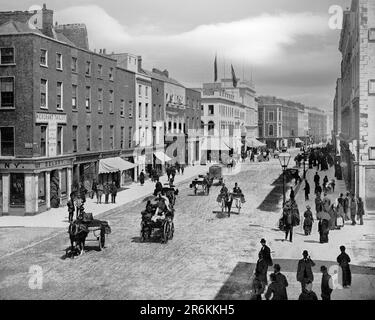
x=98 y=230
x=200 y=184
x=216 y=173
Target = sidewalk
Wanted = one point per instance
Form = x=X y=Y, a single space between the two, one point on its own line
x=58 y=217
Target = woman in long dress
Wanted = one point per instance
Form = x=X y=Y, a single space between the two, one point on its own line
x=323 y=230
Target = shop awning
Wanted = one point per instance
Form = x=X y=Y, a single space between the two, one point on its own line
x=162 y=156
x=298 y=140
x=109 y=165
x=254 y=143
x=232 y=142
x=214 y=143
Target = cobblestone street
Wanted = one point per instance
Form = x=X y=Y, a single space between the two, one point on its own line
x=198 y=263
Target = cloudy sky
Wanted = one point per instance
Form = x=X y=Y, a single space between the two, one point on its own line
x=287 y=45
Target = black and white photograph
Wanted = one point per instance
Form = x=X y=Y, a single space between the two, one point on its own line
x=202 y=150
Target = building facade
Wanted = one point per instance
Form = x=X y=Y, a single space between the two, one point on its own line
x=63 y=109
x=357 y=103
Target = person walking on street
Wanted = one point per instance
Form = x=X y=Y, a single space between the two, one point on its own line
x=304 y=269
x=99 y=192
x=333 y=184
x=307 y=293
x=266 y=253
x=281 y=279
x=261 y=269
x=289 y=218
x=94 y=189
x=325 y=184
x=316 y=179
x=182 y=168
x=353 y=209
x=307 y=190
x=346 y=206
x=113 y=192
x=257 y=287
x=326 y=285
x=340 y=211
x=275 y=289
x=142 y=178
x=343 y=260
x=308 y=221
x=71 y=207
x=106 y=192
x=360 y=211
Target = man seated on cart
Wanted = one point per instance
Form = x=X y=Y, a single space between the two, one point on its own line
x=237 y=192
x=164 y=207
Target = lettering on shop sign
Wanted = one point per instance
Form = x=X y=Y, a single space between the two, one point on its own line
x=7 y=165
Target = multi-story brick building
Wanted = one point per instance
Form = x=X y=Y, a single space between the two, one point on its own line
x=284 y=123
x=64 y=110
x=357 y=103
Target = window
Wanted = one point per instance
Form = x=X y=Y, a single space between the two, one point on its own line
x=88 y=138
x=7 y=56
x=292 y=133
x=100 y=70
x=112 y=137
x=41 y=188
x=64 y=182
x=211 y=109
x=270 y=116
x=130 y=137
x=160 y=112
x=59 y=91
x=371 y=151
x=7 y=92
x=146 y=91
x=43 y=94
x=100 y=100
x=88 y=68
x=74 y=97
x=140 y=110
x=7 y=142
x=140 y=90
x=17 y=189
x=130 y=109
x=59 y=61
x=100 y=137
x=111 y=74
x=270 y=130
x=180 y=126
x=75 y=138
x=74 y=64
x=202 y=108
x=122 y=134
x=371 y=86
x=88 y=98
x=43 y=141
x=169 y=126
x=146 y=109
x=59 y=150
x=43 y=57
x=111 y=110
x=122 y=108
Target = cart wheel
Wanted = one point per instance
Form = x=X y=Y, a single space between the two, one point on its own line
x=166 y=230
x=142 y=236
x=171 y=232
x=222 y=206
x=101 y=241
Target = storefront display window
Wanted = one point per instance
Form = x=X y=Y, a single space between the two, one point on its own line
x=17 y=189
x=42 y=188
x=64 y=180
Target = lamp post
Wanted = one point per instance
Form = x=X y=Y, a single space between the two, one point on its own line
x=304 y=162
x=284 y=158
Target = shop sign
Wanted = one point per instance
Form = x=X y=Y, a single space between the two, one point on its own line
x=16 y=166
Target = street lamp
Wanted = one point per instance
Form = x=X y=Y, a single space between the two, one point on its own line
x=284 y=158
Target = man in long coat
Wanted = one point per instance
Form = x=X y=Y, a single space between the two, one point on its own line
x=343 y=260
x=304 y=270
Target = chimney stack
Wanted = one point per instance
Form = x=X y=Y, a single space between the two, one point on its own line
x=104 y=51
x=166 y=73
x=139 y=58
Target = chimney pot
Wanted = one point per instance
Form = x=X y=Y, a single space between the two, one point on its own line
x=44 y=6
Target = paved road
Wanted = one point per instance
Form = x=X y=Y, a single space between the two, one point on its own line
x=202 y=257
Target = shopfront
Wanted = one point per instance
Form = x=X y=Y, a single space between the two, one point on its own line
x=31 y=186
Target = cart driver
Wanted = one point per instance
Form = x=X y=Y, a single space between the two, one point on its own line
x=223 y=189
x=236 y=189
x=163 y=206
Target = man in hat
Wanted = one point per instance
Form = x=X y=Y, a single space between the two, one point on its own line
x=308 y=221
x=304 y=269
x=343 y=260
x=266 y=252
x=326 y=285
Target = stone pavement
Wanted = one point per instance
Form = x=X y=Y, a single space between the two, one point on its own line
x=58 y=217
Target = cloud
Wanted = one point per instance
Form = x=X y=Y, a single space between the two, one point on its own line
x=257 y=40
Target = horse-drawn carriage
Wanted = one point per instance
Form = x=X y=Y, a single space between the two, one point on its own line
x=80 y=229
x=215 y=172
x=151 y=220
x=200 y=183
x=171 y=192
x=225 y=200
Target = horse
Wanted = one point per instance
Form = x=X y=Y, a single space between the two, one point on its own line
x=226 y=202
x=77 y=234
